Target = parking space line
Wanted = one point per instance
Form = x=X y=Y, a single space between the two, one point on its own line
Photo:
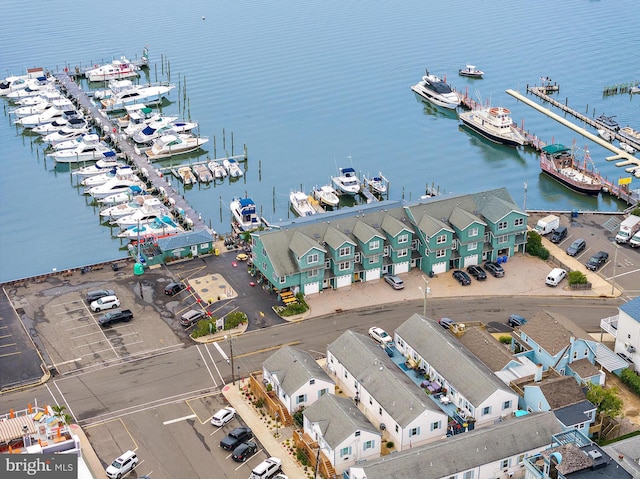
x=55 y=383
x=10 y=354
x=247 y=462
x=5 y=336
x=179 y=419
x=206 y=365
x=85 y=335
x=88 y=324
x=60 y=305
x=7 y=345
x=213 y=361
x=72 y=319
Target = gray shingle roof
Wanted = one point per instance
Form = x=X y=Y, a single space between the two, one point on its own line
x=465 y=451
x=462 y=219
x=294 y=368
x=552 y=331
x=382 y=379
x=301 y=244
x=486 y=348
x=561 y=391
x=336 y=238
x=451 y=359
x=338 y=418
x=494 y=208
x=431 y=226
x=365 y=232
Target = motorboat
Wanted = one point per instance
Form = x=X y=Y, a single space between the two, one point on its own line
x=149 y=211
x=628 y=148
x=45 y=96
x=125 y=209
x=73 y=129
x=560 y=162
x=158 y=227
x=493 y=123
x=122 y=172
x=634 y=90
x=347 y=182
x=436 y=90
x=470 y=71
x=244 y=214
x=169 y=145
x=165 y=125
x=50 y=114
x=186 y=175
x=82 y=152
x=18 y=82
x=120 y=69
x=631 y=136
x=147 y=94
x=111 y=187
x=607 y=122
x=217 y=169
x=232 y=167
x=41 y=106
x=122 y=196
x=300 y=203
x=99 y=167
x=32 y=87
x=376 y=184
x=605 y=134
x=326 y=195
x=58 y=123
x=203 y=173
x=86 y=139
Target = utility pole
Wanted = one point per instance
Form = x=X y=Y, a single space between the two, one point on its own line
x=233 y=377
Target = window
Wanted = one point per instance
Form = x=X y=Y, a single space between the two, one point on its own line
x=473 y=232
x=345 y=451
x=264 y=266
x=441 y=253
x=322 y=392
x=518 y=222
x=506 y=405
x=370 y=400
x=503 y=239
x=441 y=239
x=472 y=246
x=502 y=225
x=327 y=264
x=313 y=258
x=283 y=279
x=357 y=433
x=344 y=251
x=468 y=475
x=414 y=432
x=404 y=238
x=313 y=273
x=345 y=374
x=368 y=445
x=504 y=464
x=435 y=425
x=486 y=410
x=312 y=381
x=264 y=252
x=344 y=266
x=380 y=411
x=301 y=398
x=520 y=458
x=374 y=259
x=575 y=355
x=402 y=253
x=375 y=244
x=397 y=429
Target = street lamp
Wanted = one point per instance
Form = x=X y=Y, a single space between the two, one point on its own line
x=230 y=339
x=425 y=292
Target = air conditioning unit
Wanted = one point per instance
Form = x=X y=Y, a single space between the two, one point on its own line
x=631 y=349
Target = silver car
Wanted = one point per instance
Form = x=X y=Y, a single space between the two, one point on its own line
x=395 y=281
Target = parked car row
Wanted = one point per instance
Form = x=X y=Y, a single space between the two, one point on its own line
x=103 y=299
x=479 y=273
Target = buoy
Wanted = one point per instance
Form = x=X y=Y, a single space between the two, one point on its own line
x=203 y=17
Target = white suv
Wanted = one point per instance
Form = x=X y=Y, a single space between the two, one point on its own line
x=106 y=302
x=123 y=465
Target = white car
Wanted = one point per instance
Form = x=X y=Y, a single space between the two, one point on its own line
x=380 y=335
x=223 y=416
x=123 y=465
x=106 y=302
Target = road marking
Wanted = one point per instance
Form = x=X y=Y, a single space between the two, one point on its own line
x=66 y=402
x=179 y=419
x=9 y=354
x=207 y=366
x=67 y=362
x=222 y=353
x=214 y=362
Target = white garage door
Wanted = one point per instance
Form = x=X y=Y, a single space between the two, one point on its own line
x=342 y=281
x=401 y=268
x=312 y=288
x=372 y=274
x=440 y=267
x=471 y=260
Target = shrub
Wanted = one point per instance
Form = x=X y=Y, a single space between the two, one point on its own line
x=576 y=277
x=534 y=246
x=232 y=320
x=259 y=403
x=301 y=457
x=390 y=444
x=204 y=327
x=631 y=379
x=293 y=309
x=505 y=339
x=298 y=418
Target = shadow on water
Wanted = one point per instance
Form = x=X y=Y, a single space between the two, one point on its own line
x=491 y=152
x=434 y=110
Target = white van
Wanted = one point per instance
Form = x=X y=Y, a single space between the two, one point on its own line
x=555 y=276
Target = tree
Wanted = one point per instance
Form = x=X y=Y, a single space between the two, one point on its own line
x=606 y=400
x=534 y=246
x=61 y=415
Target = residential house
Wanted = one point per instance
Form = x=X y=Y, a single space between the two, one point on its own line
x=625 y=328
x=479 y=395
x=297 y=378
x=383 y=392
x=496 y=451
x=343 y=433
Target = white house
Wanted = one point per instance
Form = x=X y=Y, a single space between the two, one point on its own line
x=626 y=329
x=296 y=377
x=383 y=392
x=344 y=434
x=480 y=396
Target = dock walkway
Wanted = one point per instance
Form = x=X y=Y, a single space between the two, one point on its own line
x=191 y=219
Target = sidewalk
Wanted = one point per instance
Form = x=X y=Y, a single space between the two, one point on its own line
x=266 y=436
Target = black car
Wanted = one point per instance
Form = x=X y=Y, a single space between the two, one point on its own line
x=235 y=437
x=115 y=316
x=477 y=272
x=244 y=451
x=559 y=234
x=597 y=260
x=494 y=269
x=173 y=288
x=97 y=294
x=576 y=247
x=462 y=277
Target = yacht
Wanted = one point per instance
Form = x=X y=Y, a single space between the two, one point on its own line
x=130 y=94
x=82 y=152
x=112 y=187
x=436 y=90
x=149 y=211
x=101 y=166
x=244 y=214
x=158 y=227
x=73 y=129
x=495 y=124
x=169 y=145
x=300 y=204
x=347 y=182
x=125 y=209
x=163 y=126
x=120 y=69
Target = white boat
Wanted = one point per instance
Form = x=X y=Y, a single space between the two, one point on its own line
x=167 y=125
x=244 y=213
x=606 y=135
x=493 y=123
x=122 y=172
x=169 y=145
x=45 y=96
x=217 y=169
x=125 y=209
x=112 y=187
x=147 y=94
x=32 y=87
x=149 y=211
x=50 y=114
x=232 y=167
x=120 y=69
x=122 y=197
x=470 y=71
x=58 y=123
x=159 y=227
x=73 y=129
x=634 y=90
x=86 y=140
x=437 y=91
x=82 y=152
x=186 y=175
x=347 y=182
x=18 y=82
x=300 y=203
x=203 y=173
x=101 y=166
x=631 y=136
x=326 y=195
x=628 y=148
x=376 y=184
x=41 y=106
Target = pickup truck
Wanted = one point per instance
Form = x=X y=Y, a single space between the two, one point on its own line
x=114 y=316
x=235 y=437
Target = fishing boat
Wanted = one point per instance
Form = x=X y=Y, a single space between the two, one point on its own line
x=605 y=134
x=169 y=145
x=158 y=227
x=347 y=182
x=119 y=69
x=470 y=71
x=436 y=90
x=217 y=169
x=560 y=162
x=186 y=175
x=607 y=122
x=376 y=184
x=326 y=195
x=232 y=167
x=300 y=204
x=493 y=123
x=203 y=173
x=244 y=214
x=631 y=136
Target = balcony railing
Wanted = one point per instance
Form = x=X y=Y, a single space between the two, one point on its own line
x=610 y=325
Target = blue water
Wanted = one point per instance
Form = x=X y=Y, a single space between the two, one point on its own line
x=309 y=87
